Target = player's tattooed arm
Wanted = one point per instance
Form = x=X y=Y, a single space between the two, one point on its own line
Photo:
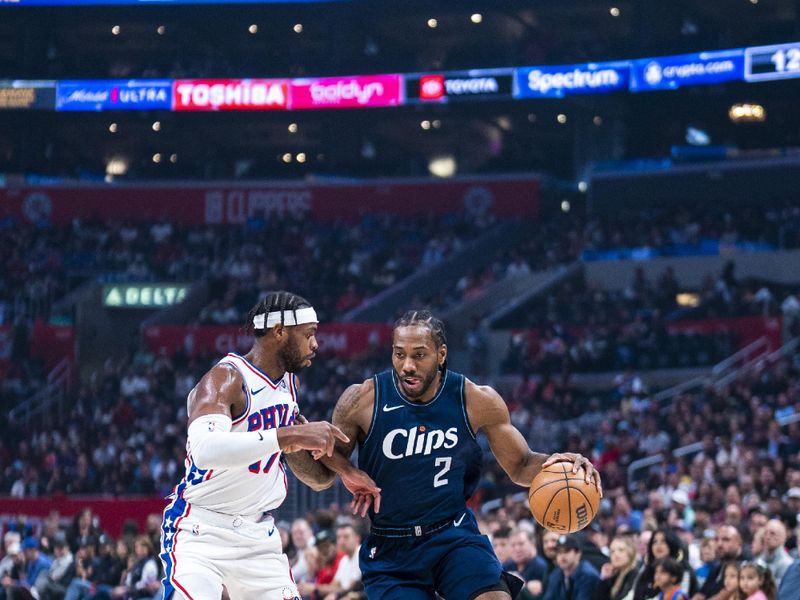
x=353 y=413
x=311 y=472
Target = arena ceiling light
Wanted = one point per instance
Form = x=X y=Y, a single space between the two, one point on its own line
x=173 y=158
x=442 y=166
x=115 y=30
x=117 y=165
x=293 y=127
x=157 y=157
x=298 y=28
x=113 y=128
x=615 y=12
x=744 y=112
x=476 y=18
x=433 y=23
x=156 y=126
x=161 y=30
x=253 y=29
x=561 y=118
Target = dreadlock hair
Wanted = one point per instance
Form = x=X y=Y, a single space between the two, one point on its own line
x=424 y=318
x=273 y=301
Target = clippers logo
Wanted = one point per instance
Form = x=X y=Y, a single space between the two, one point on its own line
x=400 y=443
x=431 y=87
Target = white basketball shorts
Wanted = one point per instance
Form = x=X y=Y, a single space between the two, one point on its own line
x=202 y=550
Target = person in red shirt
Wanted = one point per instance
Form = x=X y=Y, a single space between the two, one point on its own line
x=329 y=558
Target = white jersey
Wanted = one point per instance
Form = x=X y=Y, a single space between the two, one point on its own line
x=259 y=487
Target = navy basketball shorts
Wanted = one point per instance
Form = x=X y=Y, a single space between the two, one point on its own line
x=456 y=562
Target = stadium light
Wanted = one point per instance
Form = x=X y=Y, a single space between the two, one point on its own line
x=565 y=206
x=115 y=30
x=113 y=128
x=746 y=112
x=116 y=166
x=293 y=127
x=287 y=158
x=433 y=23
x=173 y=158
x=442 y=166
x=476 y=18
x=597 y=120
x=161 y=30
x=615 y=12
x=156 y=126
x=157 y=157
x=298 y=28
x=253 y=29
x=561 y=118
x=425 y=124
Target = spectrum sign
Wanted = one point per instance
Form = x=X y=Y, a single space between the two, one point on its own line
x=100 y=95
x=458 y=86
x=346 y=92
x=231 y=94
x=566 y=80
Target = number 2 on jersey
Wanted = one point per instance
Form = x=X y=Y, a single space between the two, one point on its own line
x=444 y=462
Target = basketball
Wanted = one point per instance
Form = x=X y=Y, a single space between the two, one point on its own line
x=561 y=500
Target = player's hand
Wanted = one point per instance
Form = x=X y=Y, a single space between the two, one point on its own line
x=578 y=461
x=365 y=491
x=361 y=502
x=318 y=437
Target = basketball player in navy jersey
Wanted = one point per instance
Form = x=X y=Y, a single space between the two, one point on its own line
x=415 y=426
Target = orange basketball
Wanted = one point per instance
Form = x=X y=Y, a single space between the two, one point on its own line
x=561 y=500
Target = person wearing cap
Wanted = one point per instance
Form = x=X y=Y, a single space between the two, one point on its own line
x=575 y=578
x=244 y=426
x=775 y=555
x=29 y=577
x=328 y=558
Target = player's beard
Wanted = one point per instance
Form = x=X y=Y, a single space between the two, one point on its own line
x=291 y=356
x=424 y=386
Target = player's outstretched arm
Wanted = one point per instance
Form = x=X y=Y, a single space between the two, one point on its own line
x=213 y=445
x=353 y=415
x=488 y=412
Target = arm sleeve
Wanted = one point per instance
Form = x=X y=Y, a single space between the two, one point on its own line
x=213 y=445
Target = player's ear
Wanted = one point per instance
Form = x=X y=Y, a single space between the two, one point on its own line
x=442 y=355
x=279 y=332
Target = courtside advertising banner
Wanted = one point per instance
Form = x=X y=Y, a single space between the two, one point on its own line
x=231 y=94
x=566 y=80
x=346 y=92
x=101 y=95
x=27 y=95
x=673 y=72
x=494 y=84
x=232 y=203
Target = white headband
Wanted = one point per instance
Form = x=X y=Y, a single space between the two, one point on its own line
x=301 y=316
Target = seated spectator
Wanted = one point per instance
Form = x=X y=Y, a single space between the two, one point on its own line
x=61 y=572
x=775 y=555
x=668 y=575
x=502 y=544
x=348 y=574
x=525 y=562
x=619 y=575
x=755 y=582
x=729 y=549
x=708 y=554
x=790 y=582
x=664 y=544
x=574 y=578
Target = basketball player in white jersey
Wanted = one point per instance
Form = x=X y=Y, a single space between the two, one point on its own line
x=243 y=417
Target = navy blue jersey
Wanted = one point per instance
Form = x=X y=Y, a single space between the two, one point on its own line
x=423 y=456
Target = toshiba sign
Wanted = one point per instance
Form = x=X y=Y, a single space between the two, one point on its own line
x=230 y=94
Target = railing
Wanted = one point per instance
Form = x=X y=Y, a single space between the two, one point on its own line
x=649 y=461
x=721 y=374
x=54 y=392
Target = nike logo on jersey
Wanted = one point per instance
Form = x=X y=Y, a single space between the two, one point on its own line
x=457 y=523
x=254 y=392
x=271 y=531
x=387 y=408
x=260 y=437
